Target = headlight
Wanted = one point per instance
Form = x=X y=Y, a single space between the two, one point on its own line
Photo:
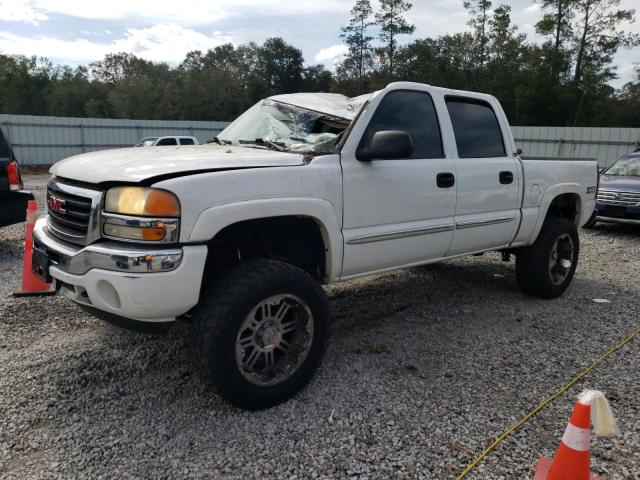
x=144 y=214
x=142 y=201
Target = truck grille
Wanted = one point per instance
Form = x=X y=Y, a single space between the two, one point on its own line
x=72 y=212
x=613 y=197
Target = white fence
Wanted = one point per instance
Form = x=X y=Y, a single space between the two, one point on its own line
x=604 y=144
x=45 y=140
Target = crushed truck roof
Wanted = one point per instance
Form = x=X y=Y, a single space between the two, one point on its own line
x=332 y=104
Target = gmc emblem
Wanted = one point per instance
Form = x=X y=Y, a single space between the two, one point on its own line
x=56 y=204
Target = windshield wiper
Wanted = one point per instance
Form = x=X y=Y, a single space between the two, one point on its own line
x=263 y=141
x=219 y=141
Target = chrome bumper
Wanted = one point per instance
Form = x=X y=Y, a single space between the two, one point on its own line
x=111 y=256
x=626 y=221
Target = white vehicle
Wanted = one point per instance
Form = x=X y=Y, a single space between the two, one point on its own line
x=303 y=190
x=166 y=140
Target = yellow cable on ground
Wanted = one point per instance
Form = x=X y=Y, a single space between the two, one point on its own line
x=550 y=399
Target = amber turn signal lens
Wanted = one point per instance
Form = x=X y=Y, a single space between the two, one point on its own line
x=152 y=233
x=162 y=203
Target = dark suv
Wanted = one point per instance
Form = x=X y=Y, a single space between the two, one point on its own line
x=13 y=199
x=618 y=198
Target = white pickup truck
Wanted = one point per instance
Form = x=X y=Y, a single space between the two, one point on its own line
x=237 y=237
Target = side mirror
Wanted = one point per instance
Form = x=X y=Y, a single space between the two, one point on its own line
x=386 y=145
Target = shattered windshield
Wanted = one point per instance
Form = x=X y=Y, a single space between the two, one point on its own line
x=285 y=127
x=625 y=167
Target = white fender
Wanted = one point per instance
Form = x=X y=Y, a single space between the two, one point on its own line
x=212 y=220
x=549 y=195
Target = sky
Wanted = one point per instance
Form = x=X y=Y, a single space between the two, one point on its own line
x=77 y=32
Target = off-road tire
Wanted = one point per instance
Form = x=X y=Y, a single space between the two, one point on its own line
x=225 y=301
x=532 y=263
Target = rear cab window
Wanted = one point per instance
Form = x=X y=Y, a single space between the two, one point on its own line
x=186 y=141
x=166 y=141
x=476 y=128
x=413 y=112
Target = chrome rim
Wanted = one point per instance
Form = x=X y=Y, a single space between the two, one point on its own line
x=274 y=340
x=561 y=259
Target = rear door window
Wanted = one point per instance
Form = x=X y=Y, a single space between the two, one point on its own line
x=166 y=141
x=412 y=112
x=186 y=141
x=476 y=128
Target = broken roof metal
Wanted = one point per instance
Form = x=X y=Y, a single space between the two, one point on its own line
x=333 y=104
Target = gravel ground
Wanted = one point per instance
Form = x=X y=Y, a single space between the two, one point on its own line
x=425 y=368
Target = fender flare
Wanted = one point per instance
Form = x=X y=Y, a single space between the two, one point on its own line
x=549 y=196
x=214 y=219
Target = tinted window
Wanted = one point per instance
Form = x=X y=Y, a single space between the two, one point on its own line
x=166 y=141
x=186 y=141
x=476 y=128
x=411 y=112
x=5 y=152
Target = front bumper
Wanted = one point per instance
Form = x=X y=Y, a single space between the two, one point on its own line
x=148 y=284
x=625 y=221
x=628 y=214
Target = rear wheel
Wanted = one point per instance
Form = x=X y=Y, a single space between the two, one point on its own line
x=545 y=269
x=259 y=332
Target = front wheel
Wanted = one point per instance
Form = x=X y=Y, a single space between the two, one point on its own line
x=259 y=332
x=545 y=269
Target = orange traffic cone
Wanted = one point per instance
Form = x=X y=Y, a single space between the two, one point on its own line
x=572 y=458
x=31 y=284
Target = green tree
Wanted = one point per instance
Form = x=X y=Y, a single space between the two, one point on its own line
x=25 y=83
x=134 y=97
x=504 y=41
x=556 y=23
x=315 y=78
x=598 y=36
x=504 y=58
x=627 y=105
x=446 y=61
x=280 y=64
x=357 y=38
x=69 y=92
x=391 y=22
x=479 y=11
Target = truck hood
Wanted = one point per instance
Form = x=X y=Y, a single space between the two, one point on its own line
x=139 y=164
x=613 y=182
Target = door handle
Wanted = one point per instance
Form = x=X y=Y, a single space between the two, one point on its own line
x=506 y=177
x=445 y=180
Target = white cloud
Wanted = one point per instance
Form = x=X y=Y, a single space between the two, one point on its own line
x=21 y=11
x=332 y=54
x=185 y=12
x=160 y=43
